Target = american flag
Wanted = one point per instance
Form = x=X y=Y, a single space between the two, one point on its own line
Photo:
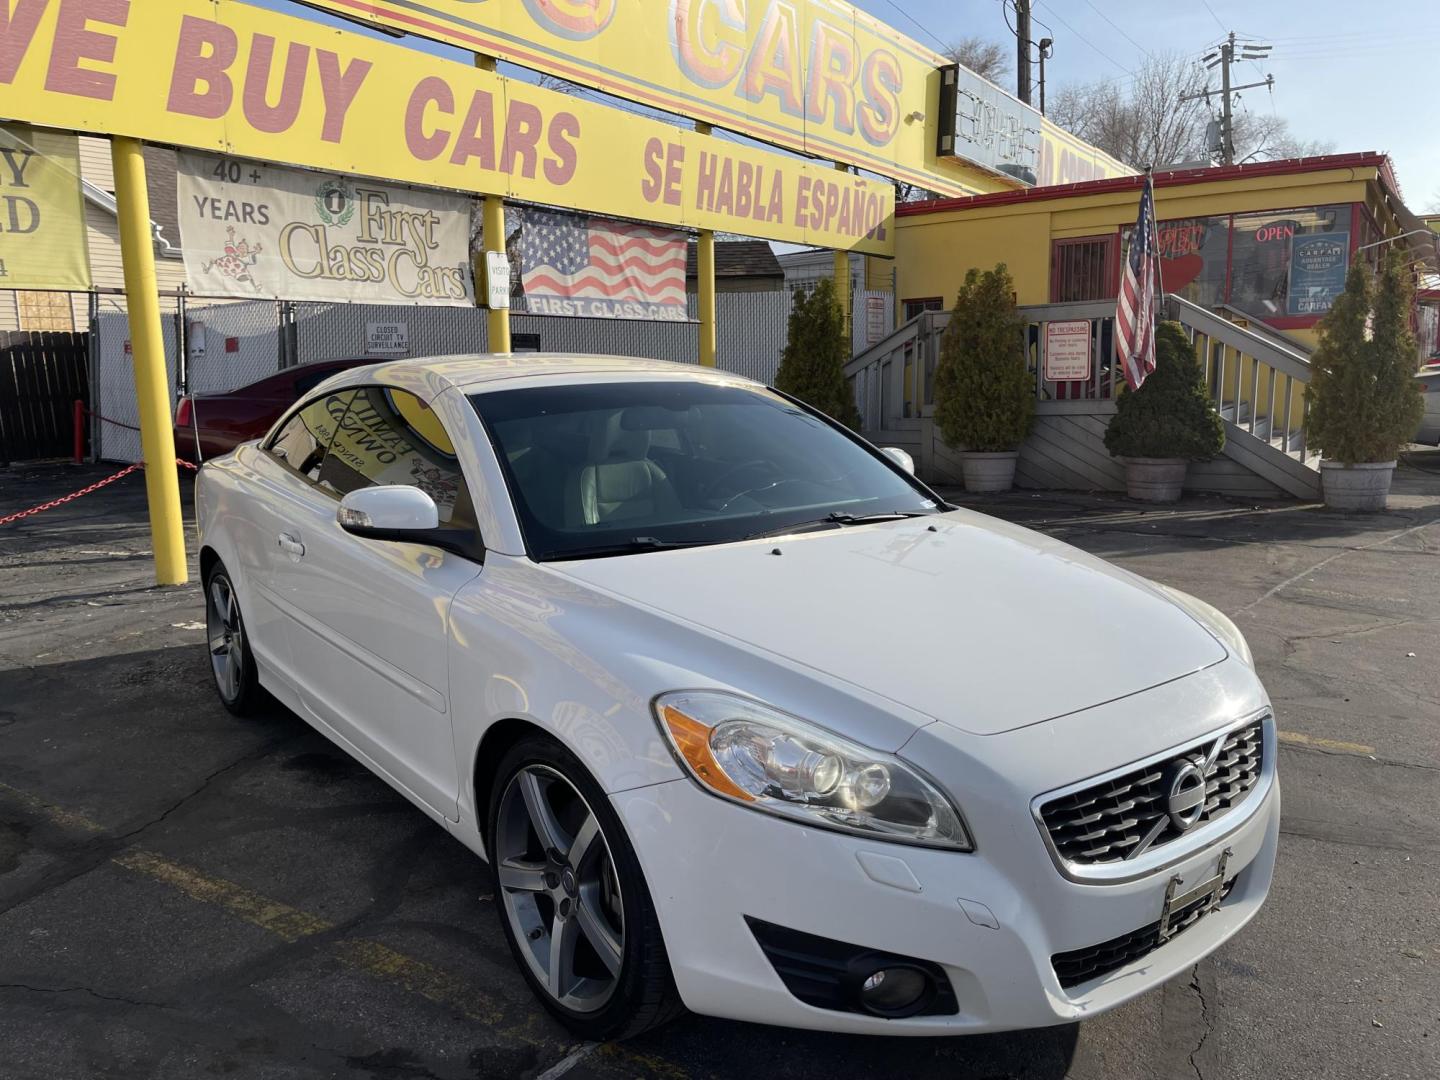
x=578 y=257
x=1135 y=308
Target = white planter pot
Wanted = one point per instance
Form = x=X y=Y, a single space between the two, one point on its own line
x=1364 y=486
x=989 y=472
x=1155 y=479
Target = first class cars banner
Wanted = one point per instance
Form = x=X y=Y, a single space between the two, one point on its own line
x=42 y=210
x=223 y=76
x=258 y=230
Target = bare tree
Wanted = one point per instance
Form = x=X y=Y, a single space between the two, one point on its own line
x=1141 y=121
x=1144 y=121
x=1267 y=137
x=546 y=81
x=985 y=58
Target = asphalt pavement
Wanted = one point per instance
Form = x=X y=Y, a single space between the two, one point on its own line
x=186 y=894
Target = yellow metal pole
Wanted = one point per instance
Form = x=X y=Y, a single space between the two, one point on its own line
x=142 y=298
x=498 y=319
x=705 y=281
x=842 y=280
x=705 y=285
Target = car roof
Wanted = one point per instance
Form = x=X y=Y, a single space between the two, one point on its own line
x=428 y=377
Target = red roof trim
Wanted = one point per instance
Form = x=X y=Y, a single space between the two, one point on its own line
x=1170 y=178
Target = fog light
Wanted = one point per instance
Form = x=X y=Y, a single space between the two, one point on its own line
x=895 y=991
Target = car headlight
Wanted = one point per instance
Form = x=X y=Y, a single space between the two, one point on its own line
x=767 y=760
x=1214 y=620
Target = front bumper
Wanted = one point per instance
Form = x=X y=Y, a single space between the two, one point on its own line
x=725 y=862
x=992 y=919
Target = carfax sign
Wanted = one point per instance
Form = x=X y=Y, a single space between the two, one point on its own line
x=223 y=76
x=1318 y=265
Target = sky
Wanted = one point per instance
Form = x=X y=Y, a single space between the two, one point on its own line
x=1348 y=73
x=1349 y=80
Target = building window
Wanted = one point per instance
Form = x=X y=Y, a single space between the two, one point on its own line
x=1082 y=270
x=912 y=308
x=1289 y=263
x=1193 y=257
x=1276 y=264
x=46 y=311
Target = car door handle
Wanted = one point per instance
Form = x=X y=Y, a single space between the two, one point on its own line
x=291 y=546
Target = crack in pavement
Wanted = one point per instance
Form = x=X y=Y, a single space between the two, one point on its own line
x=1206 y=1024
x=259 y=753
x=87 y=991
x=1393 y=763
x=98 y=850
x=1317 y=567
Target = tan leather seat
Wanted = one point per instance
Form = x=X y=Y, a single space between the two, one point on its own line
x=619 y=483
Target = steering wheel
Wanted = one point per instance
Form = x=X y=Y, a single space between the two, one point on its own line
x=715 y=488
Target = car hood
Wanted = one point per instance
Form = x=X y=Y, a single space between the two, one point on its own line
x=974 y=622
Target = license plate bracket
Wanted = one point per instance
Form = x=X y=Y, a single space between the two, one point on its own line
x=1210 y=891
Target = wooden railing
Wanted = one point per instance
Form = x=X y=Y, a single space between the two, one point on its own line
x=893 y=380
x=1257 y=384
x=1256 y=380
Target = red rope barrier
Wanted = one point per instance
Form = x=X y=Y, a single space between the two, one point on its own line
x=83 y=491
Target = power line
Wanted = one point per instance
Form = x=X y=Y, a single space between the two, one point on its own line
x=944 y=48
x=1118 y=28
x=1211 y=10
x=1087 y=41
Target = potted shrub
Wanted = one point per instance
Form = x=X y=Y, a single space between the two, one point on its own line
x=1364 y=401
x=1166 y=424
x=812 y=366
x=984 y=396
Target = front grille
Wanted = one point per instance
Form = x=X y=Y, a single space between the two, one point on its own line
x=1119 y=818
x=1082 y=965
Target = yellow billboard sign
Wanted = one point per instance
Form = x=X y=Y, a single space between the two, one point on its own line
x=42 y=211
x=815 y=76
x=224 y=76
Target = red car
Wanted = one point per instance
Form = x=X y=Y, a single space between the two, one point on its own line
x=224 y=421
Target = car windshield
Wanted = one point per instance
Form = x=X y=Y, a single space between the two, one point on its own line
x=612 y=468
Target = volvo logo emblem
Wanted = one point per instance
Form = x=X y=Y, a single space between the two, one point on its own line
x=1185 y=794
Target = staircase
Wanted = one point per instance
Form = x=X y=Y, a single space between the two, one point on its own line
x=1258 y=385
x=1256 y=378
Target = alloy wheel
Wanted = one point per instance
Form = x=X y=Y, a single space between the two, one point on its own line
x=559 y=888
x=226 y=635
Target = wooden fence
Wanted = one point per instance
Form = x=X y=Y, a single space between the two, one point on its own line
x=41 y=377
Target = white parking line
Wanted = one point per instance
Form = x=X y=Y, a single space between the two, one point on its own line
x=569 y=1061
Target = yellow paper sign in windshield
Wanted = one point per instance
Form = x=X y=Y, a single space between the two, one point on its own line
x=222 y=75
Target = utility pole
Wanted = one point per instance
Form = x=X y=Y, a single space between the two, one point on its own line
x=1227 y=116
x=1022 y=50
x=1224 y=56
x=1047 y=50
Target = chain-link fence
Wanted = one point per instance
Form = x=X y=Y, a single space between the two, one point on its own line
x=217 y=348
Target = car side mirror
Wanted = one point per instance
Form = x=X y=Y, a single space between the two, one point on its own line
x=899 y=457
x=393 y=512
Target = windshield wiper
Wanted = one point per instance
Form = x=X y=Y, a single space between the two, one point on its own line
x=841 y=518
x=632 y=546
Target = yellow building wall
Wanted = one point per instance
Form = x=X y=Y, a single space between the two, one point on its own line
x=934 y=251
x=932 y=259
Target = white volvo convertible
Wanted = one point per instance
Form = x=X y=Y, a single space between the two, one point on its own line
x=742 y=715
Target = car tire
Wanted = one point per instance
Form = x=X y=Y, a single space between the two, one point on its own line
x=582 y=877
x=227 y=645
